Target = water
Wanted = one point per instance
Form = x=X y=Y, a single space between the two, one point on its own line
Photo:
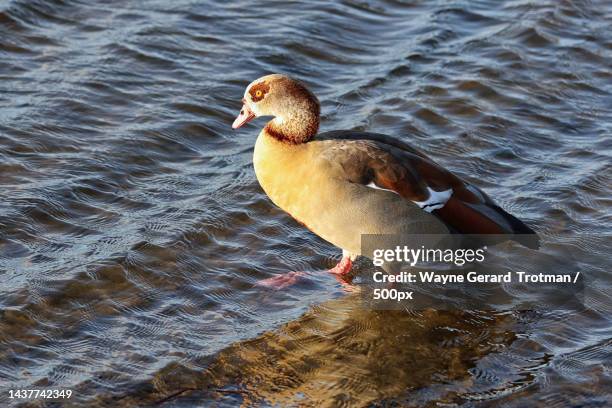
x=132 y=228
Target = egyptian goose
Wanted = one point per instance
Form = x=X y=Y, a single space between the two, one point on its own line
x=343 y=184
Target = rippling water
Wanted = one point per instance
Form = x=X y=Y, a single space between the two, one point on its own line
x=132 y=227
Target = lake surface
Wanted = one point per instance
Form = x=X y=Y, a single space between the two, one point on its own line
x=132 y=228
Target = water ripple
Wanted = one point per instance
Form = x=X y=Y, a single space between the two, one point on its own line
x=132 y=229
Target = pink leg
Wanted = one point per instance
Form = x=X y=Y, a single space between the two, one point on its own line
x=281 y=281
x=343 y=267
x=341 y=272
x=288 y=279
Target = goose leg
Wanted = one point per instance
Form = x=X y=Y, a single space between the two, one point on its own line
x=343 y=267
x=282 y=281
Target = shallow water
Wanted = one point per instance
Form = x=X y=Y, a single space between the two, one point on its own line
x=132 y=228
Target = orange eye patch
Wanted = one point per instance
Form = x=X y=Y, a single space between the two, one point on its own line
x=259 y=91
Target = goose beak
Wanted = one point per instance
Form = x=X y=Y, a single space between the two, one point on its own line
x=244 y=116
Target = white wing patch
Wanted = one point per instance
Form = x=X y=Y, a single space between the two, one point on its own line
x=436 y=199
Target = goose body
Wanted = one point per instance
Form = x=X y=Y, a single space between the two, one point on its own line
x=312 y=183
x=344 y=184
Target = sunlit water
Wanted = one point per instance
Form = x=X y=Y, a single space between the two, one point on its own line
x=132 y=228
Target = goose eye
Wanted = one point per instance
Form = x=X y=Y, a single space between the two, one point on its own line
x=258 y=91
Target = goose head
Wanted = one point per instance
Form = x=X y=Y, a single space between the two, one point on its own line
x=294 y=109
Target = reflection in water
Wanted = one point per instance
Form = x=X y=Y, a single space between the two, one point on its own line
x=339 y=354
x=132 y=229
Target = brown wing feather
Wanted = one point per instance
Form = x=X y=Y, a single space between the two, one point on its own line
x=394 y=165
x=466 y=219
